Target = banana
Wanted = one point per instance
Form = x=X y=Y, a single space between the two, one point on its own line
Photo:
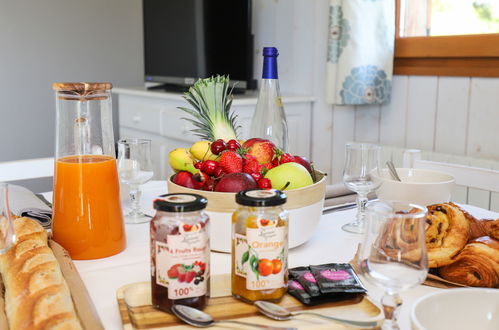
x=180 y=159
x=201 y=150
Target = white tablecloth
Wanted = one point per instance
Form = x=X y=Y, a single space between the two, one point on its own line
x=329 y=244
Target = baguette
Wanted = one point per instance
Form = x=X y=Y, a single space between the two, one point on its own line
x=36 y=294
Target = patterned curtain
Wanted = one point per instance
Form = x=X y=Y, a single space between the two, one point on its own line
x=360 y=51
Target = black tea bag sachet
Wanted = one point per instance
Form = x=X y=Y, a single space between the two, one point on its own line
x=337 y=278
x=296 y=290
x=306 y=279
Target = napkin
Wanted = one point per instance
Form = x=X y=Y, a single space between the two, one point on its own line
x=24 y=203
x=337 y=194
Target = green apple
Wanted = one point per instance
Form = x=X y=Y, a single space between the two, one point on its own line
x=294 y=173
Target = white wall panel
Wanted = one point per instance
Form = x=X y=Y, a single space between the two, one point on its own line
x=483 y=132
x=343 y=132
x=452 y=115
x=421 y=108
x=367 y=123
x=393 y=115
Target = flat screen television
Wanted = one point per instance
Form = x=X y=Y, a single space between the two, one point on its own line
x=189 y=39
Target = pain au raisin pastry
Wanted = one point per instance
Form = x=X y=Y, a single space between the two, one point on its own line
x=447 y=232
x=476 y=265
x=36 y=294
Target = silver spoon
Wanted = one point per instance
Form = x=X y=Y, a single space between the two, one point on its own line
x=277 y=312
x=200 y=319
x=393 y=170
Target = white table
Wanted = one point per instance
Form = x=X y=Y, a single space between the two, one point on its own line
x=329 y=244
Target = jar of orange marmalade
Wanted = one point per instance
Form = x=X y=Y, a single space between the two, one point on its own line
x=260 y=246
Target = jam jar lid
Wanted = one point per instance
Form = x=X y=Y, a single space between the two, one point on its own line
x=180 y=202
x=261 y=197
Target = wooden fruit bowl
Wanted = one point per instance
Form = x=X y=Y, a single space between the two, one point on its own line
x=304 y=206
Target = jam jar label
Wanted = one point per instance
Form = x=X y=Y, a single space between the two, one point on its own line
x=261 y=255
x=182 y=264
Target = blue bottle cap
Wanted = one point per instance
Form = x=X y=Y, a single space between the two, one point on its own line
x=270 y=51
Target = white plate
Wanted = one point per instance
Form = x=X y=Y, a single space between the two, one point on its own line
x=468 y=308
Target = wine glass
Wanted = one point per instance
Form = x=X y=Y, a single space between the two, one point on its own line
x=393 y=253
x=135 y=169
x=361 y=159
x=7 y=236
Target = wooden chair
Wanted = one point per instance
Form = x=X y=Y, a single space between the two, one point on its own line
x=26 y=169
x=474 y=185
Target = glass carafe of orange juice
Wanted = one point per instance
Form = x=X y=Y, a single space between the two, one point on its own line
x=87 y=217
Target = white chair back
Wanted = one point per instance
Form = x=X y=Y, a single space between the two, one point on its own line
x=475 y=185
x=26 y=169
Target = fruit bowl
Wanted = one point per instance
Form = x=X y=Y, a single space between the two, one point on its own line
x=304 y=206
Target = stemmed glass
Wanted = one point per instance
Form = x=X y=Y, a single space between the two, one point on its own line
x=135 y=169
x=7 y=236
x=360 y=160
x=393 y=253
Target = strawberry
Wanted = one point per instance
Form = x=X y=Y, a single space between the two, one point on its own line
x=252 y=167
x=187 y=227
x=264 y=183
x=231 y=162
x=257 y=176
x=287 y=158
x=190 y=276
x=281 y=157
x=268 y=166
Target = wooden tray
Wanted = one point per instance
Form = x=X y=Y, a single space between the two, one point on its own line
x=81 y=299
x=136 y=311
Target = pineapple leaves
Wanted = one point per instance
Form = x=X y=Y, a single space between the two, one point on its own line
x=211 y=101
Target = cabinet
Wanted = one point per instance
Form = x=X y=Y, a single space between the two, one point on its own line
x=154 y=115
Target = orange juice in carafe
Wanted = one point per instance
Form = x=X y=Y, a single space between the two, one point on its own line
x=87 y=212
x=87 y=217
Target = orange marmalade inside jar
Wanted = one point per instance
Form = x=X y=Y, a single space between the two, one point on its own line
x=260 y=246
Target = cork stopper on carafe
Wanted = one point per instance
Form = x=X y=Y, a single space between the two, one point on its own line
x=82 y=91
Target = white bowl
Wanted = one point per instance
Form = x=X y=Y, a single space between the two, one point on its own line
x=418 y=186
x=304 y=206
x=469 y=308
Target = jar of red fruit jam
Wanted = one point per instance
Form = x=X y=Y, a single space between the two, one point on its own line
x=260 y=246
x=180 y=251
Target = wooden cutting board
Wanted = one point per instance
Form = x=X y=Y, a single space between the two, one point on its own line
x=137 y=312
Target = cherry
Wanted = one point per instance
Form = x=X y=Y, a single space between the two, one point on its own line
x=199 y=165
x=209 y=166
x=256 y=176
x=264 y=183
x=218 y=172
x=218 y=146
x=233 y=145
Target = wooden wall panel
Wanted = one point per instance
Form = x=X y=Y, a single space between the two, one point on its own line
x=421 y=109
x=483 y=132
x=452 y=115
x=393 y=115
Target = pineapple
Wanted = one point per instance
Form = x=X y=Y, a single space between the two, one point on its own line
x=211 y=101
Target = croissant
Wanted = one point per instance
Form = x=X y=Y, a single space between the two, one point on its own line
x=481 y=227
x=476 y=265
x=447 y=232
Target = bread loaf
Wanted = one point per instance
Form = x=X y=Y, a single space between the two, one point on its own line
x=36 y=294
x=476 y=265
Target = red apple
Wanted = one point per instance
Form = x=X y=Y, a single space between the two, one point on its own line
x=262 y=150
x=235 y=182
x=304 y=162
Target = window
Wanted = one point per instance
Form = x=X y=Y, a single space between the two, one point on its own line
x=447 y=38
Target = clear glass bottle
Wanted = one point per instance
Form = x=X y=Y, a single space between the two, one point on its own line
x=260 y=246
x=87 y=217
x=269 y=120
x=180 y=251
